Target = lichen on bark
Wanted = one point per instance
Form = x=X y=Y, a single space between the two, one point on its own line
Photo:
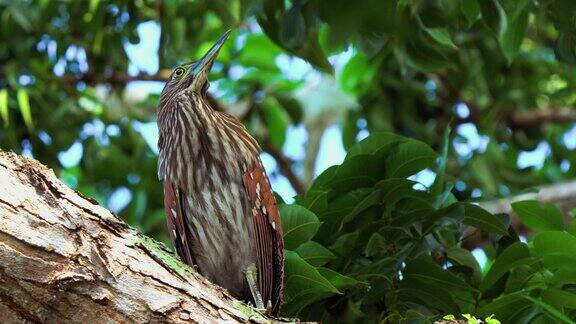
x=63 y=258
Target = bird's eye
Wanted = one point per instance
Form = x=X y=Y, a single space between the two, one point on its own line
x=179 y=72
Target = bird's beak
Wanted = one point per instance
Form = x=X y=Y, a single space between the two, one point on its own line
x=200 y=69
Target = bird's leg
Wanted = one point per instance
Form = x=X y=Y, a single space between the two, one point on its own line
x=252 y=277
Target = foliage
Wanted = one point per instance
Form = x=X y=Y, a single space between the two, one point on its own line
x=473 y=320
x=369 y=245
x=363 y=243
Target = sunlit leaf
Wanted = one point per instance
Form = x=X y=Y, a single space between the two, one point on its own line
x=24 y=104
x=4 y=106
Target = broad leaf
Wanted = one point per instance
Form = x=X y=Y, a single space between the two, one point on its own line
x=299 y=225
x=511 y=257
x=340 y=281
x=315 y=253
x=409 y=158
x=539 y=217
x=483 y=220
x=304 y=282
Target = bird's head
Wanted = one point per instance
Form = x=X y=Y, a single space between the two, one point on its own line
x=192 y=76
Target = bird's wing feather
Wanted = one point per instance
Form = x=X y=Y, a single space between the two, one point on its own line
x=175 y=217
x=268 y=231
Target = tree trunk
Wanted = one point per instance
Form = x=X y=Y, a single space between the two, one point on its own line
x=64 y=258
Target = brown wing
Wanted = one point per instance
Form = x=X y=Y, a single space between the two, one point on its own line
x=179 y=232
x=268 y=231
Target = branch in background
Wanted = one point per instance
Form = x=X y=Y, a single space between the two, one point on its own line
x=529 y=118
x=518 y=118
x=119 y=78
x=285 y=166
x=562 y=195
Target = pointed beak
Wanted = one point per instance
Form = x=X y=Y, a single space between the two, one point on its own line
x=201 y=68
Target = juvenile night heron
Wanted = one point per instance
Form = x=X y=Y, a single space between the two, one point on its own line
x=220 y=209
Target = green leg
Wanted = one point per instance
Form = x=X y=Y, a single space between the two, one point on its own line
x=252 y=278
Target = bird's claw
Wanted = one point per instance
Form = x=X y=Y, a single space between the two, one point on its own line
x=265 y=311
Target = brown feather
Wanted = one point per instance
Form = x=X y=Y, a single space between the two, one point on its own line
x=270 y=245
x=174 y=220
x=224 y=220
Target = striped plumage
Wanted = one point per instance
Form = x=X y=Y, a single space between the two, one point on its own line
x=220 y=210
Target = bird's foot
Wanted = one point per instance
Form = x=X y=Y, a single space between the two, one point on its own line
x=262 y=310
x=252 y=278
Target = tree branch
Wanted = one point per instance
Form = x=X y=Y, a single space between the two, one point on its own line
x=64 y=258
x=529 y=118
x=562 y=195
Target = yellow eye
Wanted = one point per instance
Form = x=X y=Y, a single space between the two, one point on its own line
x=179 y=72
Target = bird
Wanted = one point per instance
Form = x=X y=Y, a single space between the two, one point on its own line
x=221 y=213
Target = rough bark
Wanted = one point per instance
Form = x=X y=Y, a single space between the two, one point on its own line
x=64 y=258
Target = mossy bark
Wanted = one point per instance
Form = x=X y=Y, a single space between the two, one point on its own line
x=64 y=258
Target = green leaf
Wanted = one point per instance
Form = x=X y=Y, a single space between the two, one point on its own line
x=560 y=298
x=424 y=277
x=464 y=257
x=423 y=268
x=482 y=168
x=565 y=48
x=304 y=284
x=438 y=184
x=315 y=200
x=572 y=227
x=511 y=257
x=302 y=278
x=259 y=51
x=373 y=198
x=340 y=281
x=376 y=244
x=514 y=35
x=471 y=10
x=483 y=220
x=494 y=15
x=299 y=225
x=539 y=217
x=408 y=158
x=277 y=122
x=376 y=142
x=557 y=248
x=356 y=77
x=343 y=209
x=396 y=189
x=506 y=308
x=293 y=28
x=357 y=172
x=441 y=35
x=4 y=106
x=345 y=243
x=24 y=104
x=551 y=310
x=315 y=253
